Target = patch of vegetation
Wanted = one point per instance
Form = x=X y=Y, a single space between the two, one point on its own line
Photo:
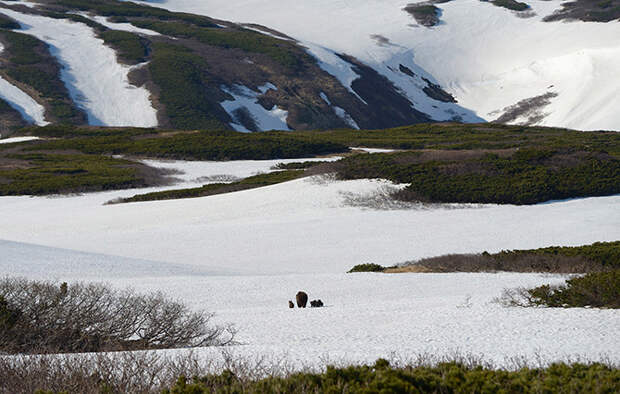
x=596 y=289
x=298 y=165
x=607 y=254
x=598 y=257
x=204 y=145
x=525 y=176
x=67 y=173
x=47 y=317
x=8 y=23
x=281 y=51
x=131 y=48
x=252 y=182
x=30 y=63
x=444 y=378
x=186 y=89
x=115 y=8
x=588 y=11
x=425 y=14
x=368 y=267
x=513 y=5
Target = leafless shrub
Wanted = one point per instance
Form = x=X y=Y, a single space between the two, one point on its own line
x=380 y=199
x=94 y=317
x=515 y=297
x=220 y=178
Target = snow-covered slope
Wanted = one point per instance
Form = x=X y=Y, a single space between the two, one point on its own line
x=91 y=72
x=488 y=57
x=303 y=226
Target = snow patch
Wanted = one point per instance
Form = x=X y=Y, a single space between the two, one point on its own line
x=342 y=114
x=96 y=81
x=102 y=20
x=273 y=119
x=17 y=139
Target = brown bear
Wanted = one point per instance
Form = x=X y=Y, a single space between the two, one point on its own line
x=302 y=299
x=290 y=304
x=316 y=303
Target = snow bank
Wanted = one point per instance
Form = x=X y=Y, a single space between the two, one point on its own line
x=17 y=139
x=273 y=119
x=486 y=56
x=96 y=81
x=102 y=20
x=302 y=226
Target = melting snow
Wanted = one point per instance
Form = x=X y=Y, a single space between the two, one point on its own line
x=273 y=119
x=96 y=81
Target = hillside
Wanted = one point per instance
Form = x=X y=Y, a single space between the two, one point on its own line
x=374 y=64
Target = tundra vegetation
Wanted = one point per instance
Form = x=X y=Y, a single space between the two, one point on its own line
x=489 y=164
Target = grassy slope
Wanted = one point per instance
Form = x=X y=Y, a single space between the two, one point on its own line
x=564 y=163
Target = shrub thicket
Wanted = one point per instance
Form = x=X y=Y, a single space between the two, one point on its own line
x=216 y=188
x=367 y=267
x=511 y=5
x=186 y=89
x=130 y=47
x=527 y=176
x=596 y=289
x=45 y=317
x=8 y=23
x=444 y=378
x=55 y=173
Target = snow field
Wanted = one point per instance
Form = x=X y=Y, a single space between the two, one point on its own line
x=486 y=56
x=302 y=226
x=91 y=72
x=244 y=255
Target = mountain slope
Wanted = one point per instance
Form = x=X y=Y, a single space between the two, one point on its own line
x=327 y=64
x=488 y=57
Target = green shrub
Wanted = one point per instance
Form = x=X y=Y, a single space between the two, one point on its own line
x=8 y=23
x=130 y=47
x=217 y=188
x=53 y=173
x=368 y=267
x=528 y=176
x=452 y=377
x=511 y=5
x=596 y=289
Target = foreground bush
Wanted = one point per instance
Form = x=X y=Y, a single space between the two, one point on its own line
x=444 y=378
x=597 y=289
x=45 y=317
x=151 y=372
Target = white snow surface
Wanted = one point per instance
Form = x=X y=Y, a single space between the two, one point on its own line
x=302 y=226
x=29 y=109
x=272 y=119
x=486 y=56
x=91 y=72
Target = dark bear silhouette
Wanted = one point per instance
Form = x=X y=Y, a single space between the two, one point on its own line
x=302 y=299
x=316 y=303
x=290 y=304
